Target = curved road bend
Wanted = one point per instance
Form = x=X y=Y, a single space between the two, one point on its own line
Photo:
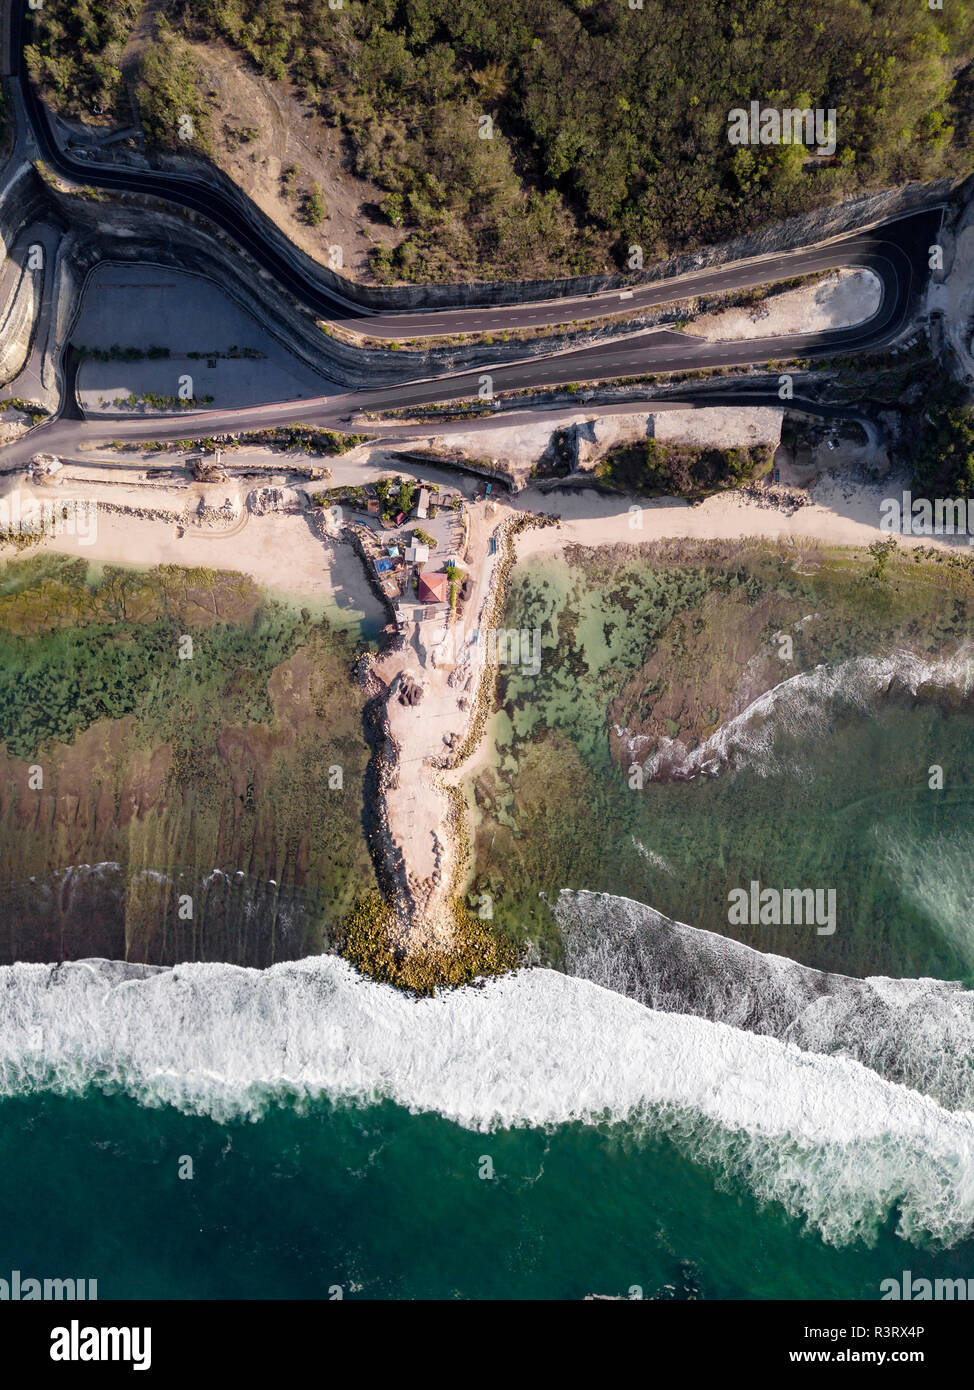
x=660 y=351
x=881 y=249
x=897 y=252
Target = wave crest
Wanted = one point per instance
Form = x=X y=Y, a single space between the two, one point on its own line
x=838 y=1145
x=807 y=706
x=918 y=1033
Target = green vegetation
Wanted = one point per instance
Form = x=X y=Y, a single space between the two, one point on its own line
x=173 y=107
x=117 y=353
x=174 y=764
x=943 y=458
x=306 y=439
x=286 y=438
x=609 y=124
x=389 y=500
x=314 y=207
x=235 y=136
x=881 y=552
x=36 y=412
x=346 y=493
x=77 y=53
x=158 y=402
x=365 y=940
x=558 y=460
x=73 y=652
x=649 y=468
x=394 y=209
x=425 y=538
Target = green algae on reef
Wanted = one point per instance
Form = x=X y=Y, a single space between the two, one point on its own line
x=194 y=806
x=642 y=647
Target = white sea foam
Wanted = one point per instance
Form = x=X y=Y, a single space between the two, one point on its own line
x=830 y=1139
x=916 y=1032
x=805 y=706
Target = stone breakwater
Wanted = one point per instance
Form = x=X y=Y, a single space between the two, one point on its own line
x=491 y=613
x=382 y=776
x=142 y=513
x=779 y=498
x=415 y=809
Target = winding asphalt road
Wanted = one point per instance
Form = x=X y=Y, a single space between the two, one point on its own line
x=897 y=252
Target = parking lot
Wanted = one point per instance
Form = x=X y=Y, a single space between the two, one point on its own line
x=196 y=333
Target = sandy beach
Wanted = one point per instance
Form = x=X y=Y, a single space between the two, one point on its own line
x=282 y=552
x=838 y=513
x=279 y=551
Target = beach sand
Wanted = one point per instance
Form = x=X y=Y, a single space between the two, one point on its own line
x=839 y=513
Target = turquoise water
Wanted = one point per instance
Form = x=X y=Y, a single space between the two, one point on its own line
x=385 y=1204
x=340 y=1134
x=828 y=788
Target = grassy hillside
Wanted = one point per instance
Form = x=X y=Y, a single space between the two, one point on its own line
x=608 y=124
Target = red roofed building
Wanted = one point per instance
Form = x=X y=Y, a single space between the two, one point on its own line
x=432 y=588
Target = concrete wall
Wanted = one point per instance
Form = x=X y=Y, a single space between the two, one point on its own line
x=16 y=327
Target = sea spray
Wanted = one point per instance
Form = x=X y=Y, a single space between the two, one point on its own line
x=807 y=706
x=834 y=1143
x=919 y=1033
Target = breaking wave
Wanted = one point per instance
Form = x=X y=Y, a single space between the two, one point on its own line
x=919 y=1033
x=808 y=706
x=837 y=1145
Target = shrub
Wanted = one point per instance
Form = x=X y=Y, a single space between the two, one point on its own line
x=314 y=207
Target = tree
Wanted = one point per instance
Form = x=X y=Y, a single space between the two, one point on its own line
x=944 y=459
x=314 y=207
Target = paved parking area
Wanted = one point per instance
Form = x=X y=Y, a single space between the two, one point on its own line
x=182 y=313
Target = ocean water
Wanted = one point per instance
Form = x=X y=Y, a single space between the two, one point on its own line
x=540 y=1137
x=822 y=783
x=380 y=1203
x=672 y=1114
